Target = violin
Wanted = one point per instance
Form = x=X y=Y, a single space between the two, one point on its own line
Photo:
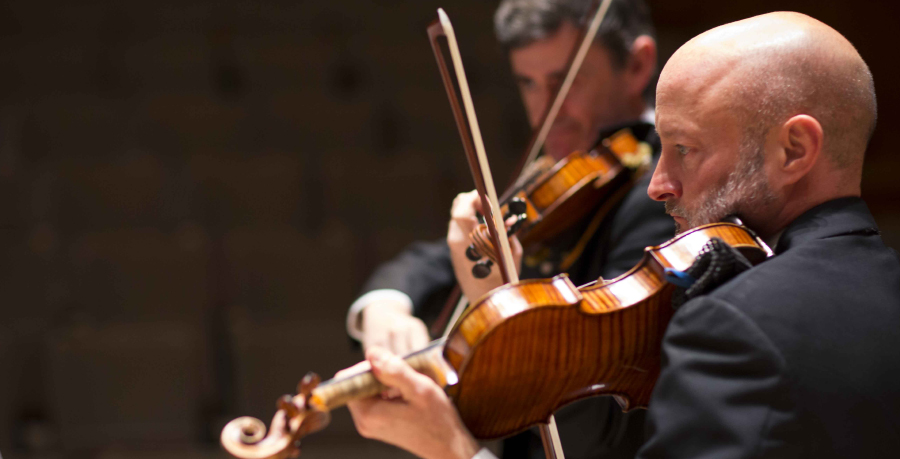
x=447 y=361
x=545 y=341
x=551 y=197
x=551 y=344
x=547 y=198
x=522 y=351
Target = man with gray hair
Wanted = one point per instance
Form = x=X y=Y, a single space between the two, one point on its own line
x=768 y=119
x=613 y=88
x=538 y=36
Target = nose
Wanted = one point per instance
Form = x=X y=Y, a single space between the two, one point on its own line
x=566 y=102
x=663 y=184
x=536 y=104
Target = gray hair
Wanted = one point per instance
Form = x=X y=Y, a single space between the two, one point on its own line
x=519 y=23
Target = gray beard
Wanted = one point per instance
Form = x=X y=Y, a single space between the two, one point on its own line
x=745 y=188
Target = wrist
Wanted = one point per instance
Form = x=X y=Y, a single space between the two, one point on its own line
x=463 y=445
x=354 y=315
x=484 y=453
x=386 y=307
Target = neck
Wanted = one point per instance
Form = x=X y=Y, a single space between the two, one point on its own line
x=335 y=393
x=771 y=225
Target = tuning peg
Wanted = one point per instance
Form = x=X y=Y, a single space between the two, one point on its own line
x=517 y=206
x=472 y=253
x=520 y=220
x=519 y=209
x=286 y=403
x=309 y=382
x=482 y=269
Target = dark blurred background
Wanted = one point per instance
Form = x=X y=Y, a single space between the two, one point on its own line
x=191 y=193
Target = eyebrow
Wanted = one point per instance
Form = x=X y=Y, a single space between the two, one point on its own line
x=522 y=78
x=675 y=129
x=669 y=132
x=558 y=75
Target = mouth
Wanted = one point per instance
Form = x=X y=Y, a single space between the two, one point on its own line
x=675 y=211
x=561 y=145
x=562 y=131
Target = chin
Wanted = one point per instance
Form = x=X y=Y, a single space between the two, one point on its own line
x=562 y=147
x=681 y=225
x=559 y=152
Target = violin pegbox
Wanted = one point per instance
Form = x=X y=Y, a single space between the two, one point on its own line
x=481 y=237
x=246 y=437
x=314 y=418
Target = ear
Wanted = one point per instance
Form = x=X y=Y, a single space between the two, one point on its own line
x=801 y=144
x=641 y=65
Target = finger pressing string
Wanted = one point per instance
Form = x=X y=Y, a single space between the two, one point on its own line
x=394 y=372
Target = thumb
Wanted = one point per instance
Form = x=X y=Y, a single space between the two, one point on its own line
x=392 y=371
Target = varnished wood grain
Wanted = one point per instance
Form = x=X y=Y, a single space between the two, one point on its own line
x=561 y=195
x=524 y=351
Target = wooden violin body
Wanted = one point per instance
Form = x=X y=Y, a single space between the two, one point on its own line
x=526 y=350
x=523 y=351
x=551 y=197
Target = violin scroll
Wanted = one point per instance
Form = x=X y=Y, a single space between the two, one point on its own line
x=246 y=437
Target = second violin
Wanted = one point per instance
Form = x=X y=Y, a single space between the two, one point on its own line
x=551 y=197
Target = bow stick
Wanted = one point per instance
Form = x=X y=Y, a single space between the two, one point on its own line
x=534 y=145
x=476 y=157
x=483 y=181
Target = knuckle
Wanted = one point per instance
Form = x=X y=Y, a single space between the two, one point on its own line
x=422 y=389
x=419 y=392
x=435 y=397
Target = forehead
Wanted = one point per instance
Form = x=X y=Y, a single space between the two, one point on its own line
x=551 y=53
x=693 y=93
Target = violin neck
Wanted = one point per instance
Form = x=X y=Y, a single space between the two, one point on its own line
x=337 y=392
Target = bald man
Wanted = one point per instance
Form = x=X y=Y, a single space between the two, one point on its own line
x=766 y=118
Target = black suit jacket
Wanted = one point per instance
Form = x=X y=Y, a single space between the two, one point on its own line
x=593 y=428
x=798 y=357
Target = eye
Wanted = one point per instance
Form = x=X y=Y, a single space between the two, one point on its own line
x=525 y=83
x=682 y=150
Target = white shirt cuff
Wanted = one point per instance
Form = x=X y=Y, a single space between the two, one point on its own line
x=385 y=294
x=484 y=453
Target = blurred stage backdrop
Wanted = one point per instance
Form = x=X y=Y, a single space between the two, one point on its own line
x=192 y=192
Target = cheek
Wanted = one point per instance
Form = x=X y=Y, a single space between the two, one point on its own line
x=533 y=105
x=609 y=102
x=591 y=106
x=698 y=178
x=692 y=195
x=771 y=169
x=712 y=174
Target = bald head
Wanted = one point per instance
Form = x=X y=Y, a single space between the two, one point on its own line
x=763 y=118
x=772 y=67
